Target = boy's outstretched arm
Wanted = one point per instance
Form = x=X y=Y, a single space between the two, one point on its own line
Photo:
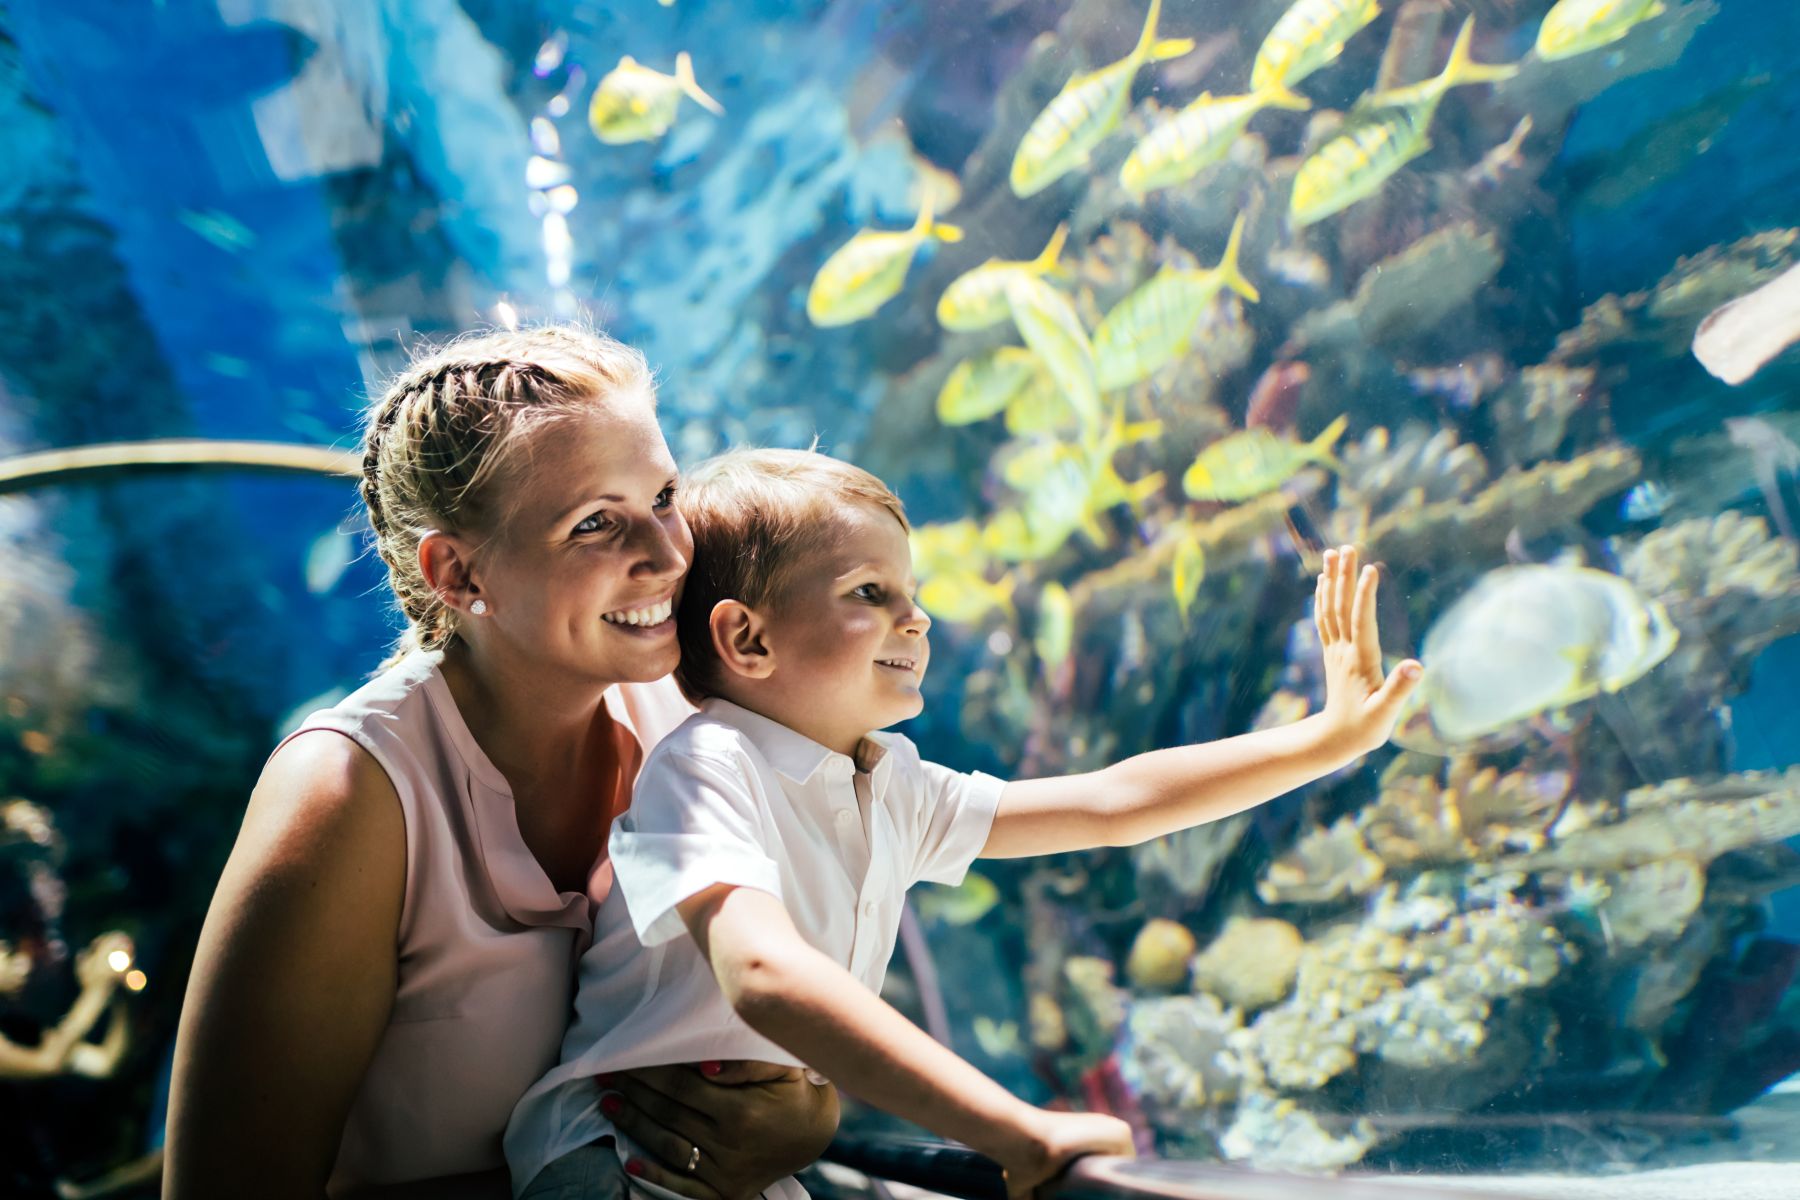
x=805 y=1002
x=1151 y=794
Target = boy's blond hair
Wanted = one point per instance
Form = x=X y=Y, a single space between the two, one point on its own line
x=756 y=515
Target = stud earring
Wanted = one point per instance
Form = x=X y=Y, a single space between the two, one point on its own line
x=479 y=608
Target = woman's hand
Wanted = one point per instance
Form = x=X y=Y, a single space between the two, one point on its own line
x=1361 y=706
x=753 y=1123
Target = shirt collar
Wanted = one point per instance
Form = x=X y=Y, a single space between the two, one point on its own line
x=794 y=755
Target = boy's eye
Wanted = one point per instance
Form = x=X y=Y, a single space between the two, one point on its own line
x=868 y=591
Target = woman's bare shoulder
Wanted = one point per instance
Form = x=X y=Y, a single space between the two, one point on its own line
x=321 y=793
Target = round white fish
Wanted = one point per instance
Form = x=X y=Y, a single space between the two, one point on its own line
x=1526 y=640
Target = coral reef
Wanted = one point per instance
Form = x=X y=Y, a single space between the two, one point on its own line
x=1663 y=318
x=1678 y=819
x=1275 y=1133
x=1452 y=264
x=1326 y=864
x=1251 y=964
x=1176 y=1053
x=1159 y=955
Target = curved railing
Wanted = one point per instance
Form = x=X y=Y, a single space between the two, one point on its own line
x=954 y=1170
x=20 y=472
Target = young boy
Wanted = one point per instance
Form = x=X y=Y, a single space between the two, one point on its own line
x=772 y=837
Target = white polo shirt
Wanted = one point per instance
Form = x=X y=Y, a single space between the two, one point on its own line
x=733 y=797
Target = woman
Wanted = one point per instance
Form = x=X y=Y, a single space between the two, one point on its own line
x=387 y=963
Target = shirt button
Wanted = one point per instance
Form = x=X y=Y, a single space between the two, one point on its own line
x=844 y=817
x=869 y=909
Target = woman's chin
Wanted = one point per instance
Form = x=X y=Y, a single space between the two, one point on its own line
x=651 y=662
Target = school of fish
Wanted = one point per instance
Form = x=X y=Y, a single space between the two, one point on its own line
x=1058 y=393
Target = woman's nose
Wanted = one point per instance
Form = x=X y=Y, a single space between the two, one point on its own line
x=662 y=549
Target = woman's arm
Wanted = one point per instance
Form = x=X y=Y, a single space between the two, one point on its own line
x=293 y=979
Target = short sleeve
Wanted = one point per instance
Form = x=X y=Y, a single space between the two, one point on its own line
x=693 y=823
x=957 y=815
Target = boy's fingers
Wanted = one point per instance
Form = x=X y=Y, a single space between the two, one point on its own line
x=1367 y=628
x=1333 y=629
x=1400 y=681
x=1346 y=585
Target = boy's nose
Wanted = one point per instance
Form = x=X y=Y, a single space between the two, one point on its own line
x=917 y=621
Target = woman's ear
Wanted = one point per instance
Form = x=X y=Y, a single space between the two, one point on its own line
x=445 y=562
x=738 y=638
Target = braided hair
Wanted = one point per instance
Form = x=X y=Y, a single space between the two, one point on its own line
x=438 y=443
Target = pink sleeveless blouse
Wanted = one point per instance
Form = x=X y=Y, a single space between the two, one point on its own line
x=487 y=944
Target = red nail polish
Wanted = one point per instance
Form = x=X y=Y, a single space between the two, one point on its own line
x=611 y=1105
x=634 y=1167
x=711 y=1068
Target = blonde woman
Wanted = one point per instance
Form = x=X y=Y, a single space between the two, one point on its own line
x=388 y=960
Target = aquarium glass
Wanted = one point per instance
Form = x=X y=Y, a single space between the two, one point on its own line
x=1140 y=307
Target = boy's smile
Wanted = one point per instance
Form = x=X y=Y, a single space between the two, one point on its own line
x=849 y=642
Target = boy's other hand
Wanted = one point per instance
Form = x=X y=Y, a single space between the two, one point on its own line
x=1059 y=1138
x=1361 y=706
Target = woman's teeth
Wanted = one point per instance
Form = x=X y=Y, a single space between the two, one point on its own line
x=654 y=615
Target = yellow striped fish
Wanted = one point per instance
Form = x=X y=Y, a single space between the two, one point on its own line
x=1066 y=486
x=1152 y=326
x=1178 y=148
x=1308 y=35
x=1576 y=26
x=1086 y=110
x=634 y=103
x=868 y=270
x=1255 y=461
x=982 y=386
x=1055 y=634
x=1051 y=327
x=946 y=547
x=1039 y=407
x=965 y=597
x=1186 y=573
x=977 y=298
x=1383 y=133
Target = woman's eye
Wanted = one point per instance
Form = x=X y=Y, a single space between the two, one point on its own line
x=666 y=497
x=592 y=524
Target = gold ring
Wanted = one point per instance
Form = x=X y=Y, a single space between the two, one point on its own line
x=694 y=1159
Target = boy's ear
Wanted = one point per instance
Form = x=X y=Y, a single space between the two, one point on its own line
x=737 y=638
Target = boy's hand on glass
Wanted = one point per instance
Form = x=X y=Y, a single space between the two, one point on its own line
x=1361 y=706
x=1055 y=1139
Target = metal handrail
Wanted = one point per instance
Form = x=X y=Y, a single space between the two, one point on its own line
x=21 y=472
x=954 y=1170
